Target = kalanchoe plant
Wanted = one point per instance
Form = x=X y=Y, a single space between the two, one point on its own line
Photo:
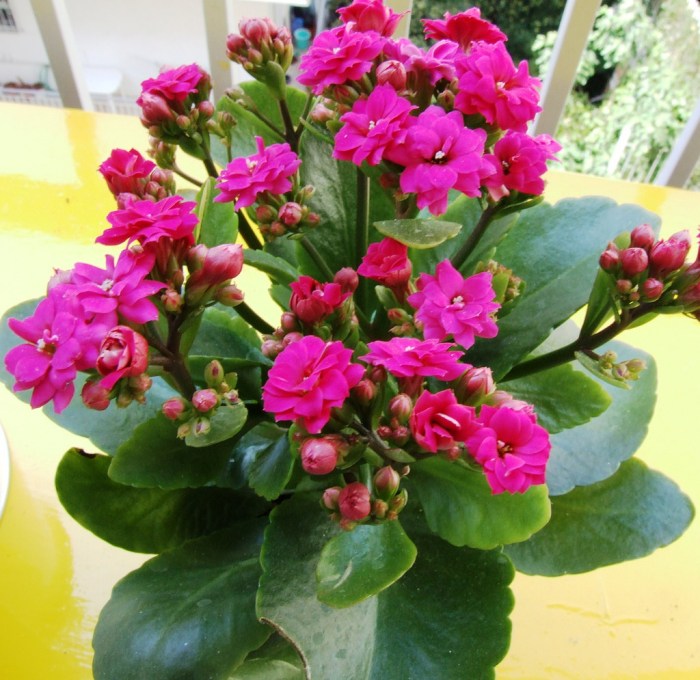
x=378 y=453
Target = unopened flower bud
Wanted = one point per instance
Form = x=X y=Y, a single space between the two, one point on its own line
x=380 y=508
x=230 y=295
x=206 y=108
x=183 y=122
x=401 y=407
x=652 y=289
x=290 y=338
x=214 y=373
x=642 y=237
x=634 y=261
x=173 y=408
x=172 y=300
x=398 y=502
x=392 y=72
x=271 y=348
x=329 y=500
x=95 y=396
x=623 y=286
x=667 y=256
x=377 y=374
x=474 y=385
x=205 y=400
x=201 y=427
x=288 y=322
x=291 y=213
x=321 y=113
x=347 y=279
x=354 y=502
x=364 y=392
x=610 y=258
x=184 y=429
x=386 y=482
x=319 y=456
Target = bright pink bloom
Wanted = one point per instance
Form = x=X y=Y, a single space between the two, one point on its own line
x=450 y=305
x=354 y=501
x=439 y=422
x=423 y=68
x=123 y=354
x=319 y=456
x=512 y=449
x=667 y=256
x=410 y=357
x=121 y=288
x=520 y=161
x=439 y=154
x=174 y=85
x=312 y=301
x=308 y=379
x=338 y=56
x=126 y=172
x=244 y=179
x=490 y=85
x=373 y=125
x=464 y=28
x=53 y=353
x=387 y=263
x=147 y=222
x=370 y=15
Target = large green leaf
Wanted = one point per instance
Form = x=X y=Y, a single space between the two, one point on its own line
x=360 y=563
x=275 y=660
x=460 y=507
x=563 y=397
x=262 y=459
x=624 y=517
x=188 y=613
x=555 y=250
x=591 y=452
x=144 y=520
x=153 y=456
x=218 y=222
x=227 y=421
x=446 y=618
x=276 y=268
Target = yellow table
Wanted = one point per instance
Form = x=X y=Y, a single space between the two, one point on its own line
x=636 y=620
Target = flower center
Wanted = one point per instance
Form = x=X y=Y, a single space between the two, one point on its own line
x=371 y=124
x=251 y=164
x=47 y=343
x=440 y=157
x=504 y=448
x=107 y=284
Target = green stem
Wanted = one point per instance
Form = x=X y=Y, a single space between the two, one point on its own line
x=245 y=229
x=209 y=165
x=305 y=112
x=257 y=322
x=362 y=226
x=460 y=257
x=318 y=259
x=185 y=176
x=290 y=134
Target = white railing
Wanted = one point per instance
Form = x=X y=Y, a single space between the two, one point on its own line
x=572 y=38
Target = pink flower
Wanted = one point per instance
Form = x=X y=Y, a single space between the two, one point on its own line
x=244 y=179
x=126 y=172
x=53 y=353
x=338 y=56
x=147 y=222
x=520 y=161
x=308 y=379
x=387 y=263
x=123 y=354
x=370 y=15
x=354 y=502
x=174 y=85
x=490 y=85
x=464 y=28
x=512 y=449
x=410 y=357
x=450 y=305
x=211 y=268
x=423 y=68
x=439 y=423
x=373 y=125
x=121 y=288
x=312 y=301
x=440 y=154
x=667 y=256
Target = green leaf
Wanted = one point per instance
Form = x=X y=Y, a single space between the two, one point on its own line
x=226 y=422
x=153 y=456
x=275 y=660
x=262 y=458
x=624 y=517
x=460 y=507
x=188 y=613
x=360 y=563
x=218 y=222
x=555 y=250
x=144 y=520
x=446 y=618
x=589 y=453
x=418 y=233
x=276 y=268
x=563 y=397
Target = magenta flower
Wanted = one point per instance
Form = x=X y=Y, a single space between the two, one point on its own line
x=450 y=305
x=123 y=354
x=439 y=422
x=439 y=154
x=174 y=85
x=147 y=222
x=423 y=68
x=464 y=28
x=410 y=357
x=126 y=172
x=308 y=379
x=123 y=288
x=53 y=353
x=520 y=161
x=312 y=301
x=244 y=179
x=512 y=449
x=370 y=15
x=338 y=56
x=490 y=85
x=387 y=263
x=373 y=125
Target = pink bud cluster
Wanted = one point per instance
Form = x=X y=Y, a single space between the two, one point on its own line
x=259 y=43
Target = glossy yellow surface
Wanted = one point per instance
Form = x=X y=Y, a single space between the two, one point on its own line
x=637 y=620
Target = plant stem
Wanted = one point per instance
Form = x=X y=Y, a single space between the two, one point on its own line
x=290 y=134
x=318 y=259
x=305 y=112
x=245 y=229
x=460 y=257
x=362 y=226
x=257 y=322
x=209 y=165
x=185 y=176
